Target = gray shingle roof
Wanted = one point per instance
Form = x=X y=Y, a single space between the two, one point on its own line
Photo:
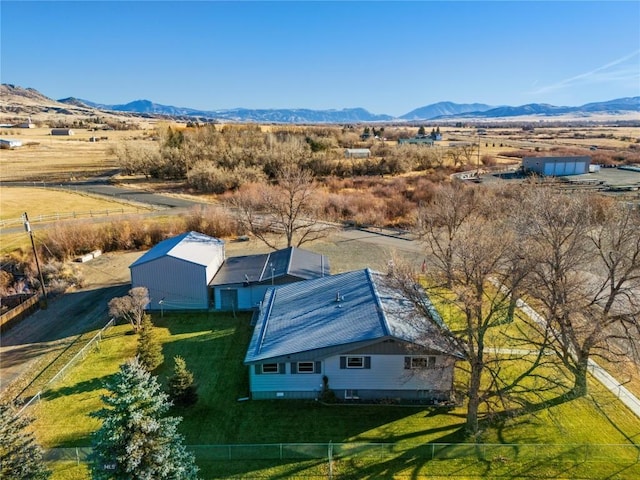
x=307 y=316
x=260 y=268
x=193 y=247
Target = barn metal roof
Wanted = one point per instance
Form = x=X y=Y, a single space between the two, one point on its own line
x=338 y=310
x=261 y=268
x=192 y=247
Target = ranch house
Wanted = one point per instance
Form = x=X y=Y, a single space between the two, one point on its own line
x=351 y=333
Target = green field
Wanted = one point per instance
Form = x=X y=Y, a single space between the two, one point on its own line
x=409 y=438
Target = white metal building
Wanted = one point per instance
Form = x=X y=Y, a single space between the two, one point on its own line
x=556 y=166
x=177 y=271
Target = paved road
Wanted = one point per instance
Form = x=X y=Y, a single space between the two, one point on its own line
x=100 y=186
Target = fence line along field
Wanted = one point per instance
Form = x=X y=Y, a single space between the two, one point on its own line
x=44 y=157
x=47 y=202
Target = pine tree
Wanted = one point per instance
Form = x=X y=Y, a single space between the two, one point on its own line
x=182 y=390
x=149 y=349
x=20 y=455
x=136 y=441
x=421 y=130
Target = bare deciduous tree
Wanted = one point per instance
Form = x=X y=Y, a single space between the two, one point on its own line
x=471 y=266
x=585 y=279
x=131 y=307
x=287 y=207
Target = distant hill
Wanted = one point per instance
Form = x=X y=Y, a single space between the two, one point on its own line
x=617 y=106
x=296 y=115
x=444 y=109
x=19 y=101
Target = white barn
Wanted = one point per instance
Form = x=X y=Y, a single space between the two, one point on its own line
x=177 y=271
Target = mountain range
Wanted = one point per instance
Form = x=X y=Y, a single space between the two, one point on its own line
x=436 y=111
x=18 y=100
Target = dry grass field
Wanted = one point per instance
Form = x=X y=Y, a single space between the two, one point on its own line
x=48 y=158
x=46 y=202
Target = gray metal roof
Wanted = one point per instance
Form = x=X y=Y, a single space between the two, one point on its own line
x=342 y=309
x=261 y=268
x=193 y=247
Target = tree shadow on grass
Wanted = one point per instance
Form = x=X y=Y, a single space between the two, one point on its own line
x=78 y=388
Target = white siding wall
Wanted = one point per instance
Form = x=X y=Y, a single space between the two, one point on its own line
x=182 y=284
x=387 y=372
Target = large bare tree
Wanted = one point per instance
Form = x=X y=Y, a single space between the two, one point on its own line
x=473 y=267
x=585 y=279
x=287 y=207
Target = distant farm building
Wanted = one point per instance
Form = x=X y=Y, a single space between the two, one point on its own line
x=7 y=143
x=26 y=124
x=357 y=153
x=177 y=271
x=556 y=166
x=417 y=140
x=62 y=131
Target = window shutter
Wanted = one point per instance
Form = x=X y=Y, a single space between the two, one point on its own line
x=282 y=368
x=318 y=367
x=258 y=369
x=407 y=363
x=343 y=362
x=367 y=362
x=294 y=367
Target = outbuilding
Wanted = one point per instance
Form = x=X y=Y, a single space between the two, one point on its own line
x=242 y=281
x=177 y=271
x=357 y=153
x=62 y=131
x=9 y=143
x=556 y=166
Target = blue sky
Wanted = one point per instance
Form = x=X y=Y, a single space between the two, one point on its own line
x=386 y=56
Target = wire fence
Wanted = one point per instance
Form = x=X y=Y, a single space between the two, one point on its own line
x=619 y=453
x=81 y=355
x=13 y=222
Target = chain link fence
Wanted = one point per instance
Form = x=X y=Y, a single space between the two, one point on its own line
x=620 y=453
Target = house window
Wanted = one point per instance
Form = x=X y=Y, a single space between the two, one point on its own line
x=415 y=363
x=306 y=367
x=270 y=368
x=351 y=395
x=355 y=362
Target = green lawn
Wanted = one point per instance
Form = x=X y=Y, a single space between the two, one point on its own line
x=214 y=346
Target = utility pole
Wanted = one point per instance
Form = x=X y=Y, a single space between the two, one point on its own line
x=27 y=227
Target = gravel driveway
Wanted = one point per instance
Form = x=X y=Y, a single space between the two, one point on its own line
x=27 y=347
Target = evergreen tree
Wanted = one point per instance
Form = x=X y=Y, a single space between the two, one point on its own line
x=136 y=441
x=20 y=455
x=182 y=389
x=421 y=130
x=149 y=349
